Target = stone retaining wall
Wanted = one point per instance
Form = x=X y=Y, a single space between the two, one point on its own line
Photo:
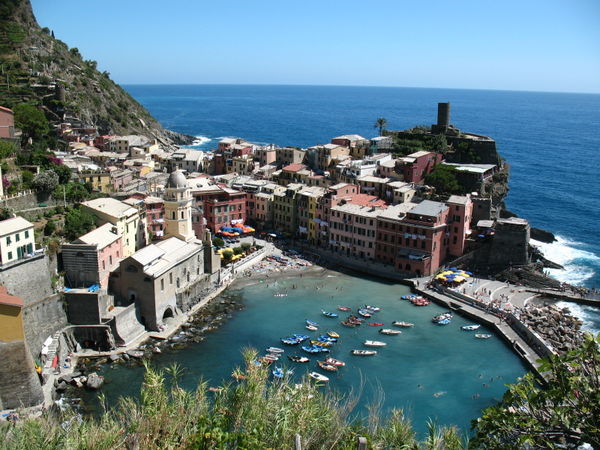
x=42 y=319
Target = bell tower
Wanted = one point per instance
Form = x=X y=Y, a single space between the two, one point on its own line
x=178 y=208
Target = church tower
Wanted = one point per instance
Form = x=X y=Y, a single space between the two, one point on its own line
x=178 y=208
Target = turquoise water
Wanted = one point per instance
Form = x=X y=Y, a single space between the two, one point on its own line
x=443 y=360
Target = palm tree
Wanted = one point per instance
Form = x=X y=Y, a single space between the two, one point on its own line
x=380 y=123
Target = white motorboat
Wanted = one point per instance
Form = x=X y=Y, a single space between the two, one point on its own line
x=364 y=352
x=374 y=344
x=389 y=331
x=318 y=377
x=470 y=327
x=275 y=350
x=483 y=336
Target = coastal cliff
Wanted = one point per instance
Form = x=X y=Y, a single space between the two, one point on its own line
x=38 y=69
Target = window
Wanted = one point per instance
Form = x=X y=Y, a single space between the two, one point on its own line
x=26 y=234
x=170 y=278
x=8 y=241
x=110 y=259
x=17 y=237
x=162 y=284
x=9 y=256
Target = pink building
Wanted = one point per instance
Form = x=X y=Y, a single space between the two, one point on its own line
x=7 y=123
x=459 y=223
x=353 y=229
x=415 y=166
x=90 y=258
x=266 y=155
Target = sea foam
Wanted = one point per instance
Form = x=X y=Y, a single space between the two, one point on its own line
x=579 y=265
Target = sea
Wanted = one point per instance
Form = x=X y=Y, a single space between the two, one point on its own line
x=550 y=140
x=431 y=372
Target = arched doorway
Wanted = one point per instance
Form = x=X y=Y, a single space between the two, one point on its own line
x=168 y=313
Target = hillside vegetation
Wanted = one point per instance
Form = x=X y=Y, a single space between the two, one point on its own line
x=34 y=67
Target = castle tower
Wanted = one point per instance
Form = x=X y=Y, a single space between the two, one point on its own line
x=178 y=208
x=443 y=119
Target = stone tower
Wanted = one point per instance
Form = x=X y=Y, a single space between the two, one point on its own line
x=178 y=208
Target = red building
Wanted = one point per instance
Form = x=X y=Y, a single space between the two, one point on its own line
x=7 y=123
x=216 y=206
x=418 y=239
x=415 y=166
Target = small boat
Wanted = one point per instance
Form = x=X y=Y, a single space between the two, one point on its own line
x=310 y=322
x=389 y=332
x=443 y=322
x=372 y=308
x=300 y=337
x=275 y=350
x=278 y=372
x=344 y=308
x=311 y=328
x=280 y=295
x=327 y=339
x=318 y=376
x=403 y=324
x=333 y=334
x=440 y=317
x=364 y=352
x=375 y=324
x=483 y=336
x=374 y=344
x=350 y=324
x=298 y=359
x=325 y=366
x=331 y=315
x=335 y=362
x=321 y=343
x=270 y=358
x=290 y=341
x=311 y=349
x=470 y=327
x=364 y=313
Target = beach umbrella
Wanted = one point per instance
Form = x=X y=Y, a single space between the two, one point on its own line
x=459 y=279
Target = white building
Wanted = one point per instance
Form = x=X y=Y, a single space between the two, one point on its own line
x=16 y=239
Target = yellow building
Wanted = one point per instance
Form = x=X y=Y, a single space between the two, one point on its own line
x=125 y=218
x=11 y=317
x=100 y=181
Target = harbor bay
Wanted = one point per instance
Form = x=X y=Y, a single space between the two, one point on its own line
x=429 y=371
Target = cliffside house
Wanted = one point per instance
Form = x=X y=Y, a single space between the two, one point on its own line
x=7 y=123
x=17 y=240
x=90 y=258
x=126 y=218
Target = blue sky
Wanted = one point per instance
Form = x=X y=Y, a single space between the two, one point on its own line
x=542 y=45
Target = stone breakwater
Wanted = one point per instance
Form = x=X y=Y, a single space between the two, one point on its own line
x=556 y=326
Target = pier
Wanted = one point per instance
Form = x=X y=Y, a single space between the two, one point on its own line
x=525 y=342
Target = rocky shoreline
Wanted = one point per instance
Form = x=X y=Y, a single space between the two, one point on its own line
x=555 y=325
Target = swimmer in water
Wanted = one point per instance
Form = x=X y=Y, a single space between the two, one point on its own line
x=419 y=386
x=485 y=385
x=475 y=395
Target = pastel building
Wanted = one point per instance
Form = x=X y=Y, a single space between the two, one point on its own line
x=413 y=238
x=178 y=208
x=7 y=123
x=90 y=259
x=353 y=229
x=19 y=383
x=16 y=240
x=124 y=217
x=306 y=205
x=459 y=223
x=415 y=166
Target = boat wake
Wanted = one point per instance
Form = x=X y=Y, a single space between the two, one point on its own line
x=579 y=265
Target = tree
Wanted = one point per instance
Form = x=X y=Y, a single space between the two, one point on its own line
x=438 y=143
x=77 y=223
x=219 y=242
x=565 y=412
x=6 y=149
x=49 y=228
x=71 y=192
x=31 y=121
x=45 y=181
x=380 y=123
x=63 y=172
x=443 y=179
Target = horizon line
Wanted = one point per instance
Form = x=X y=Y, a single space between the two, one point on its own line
x=356 y=86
